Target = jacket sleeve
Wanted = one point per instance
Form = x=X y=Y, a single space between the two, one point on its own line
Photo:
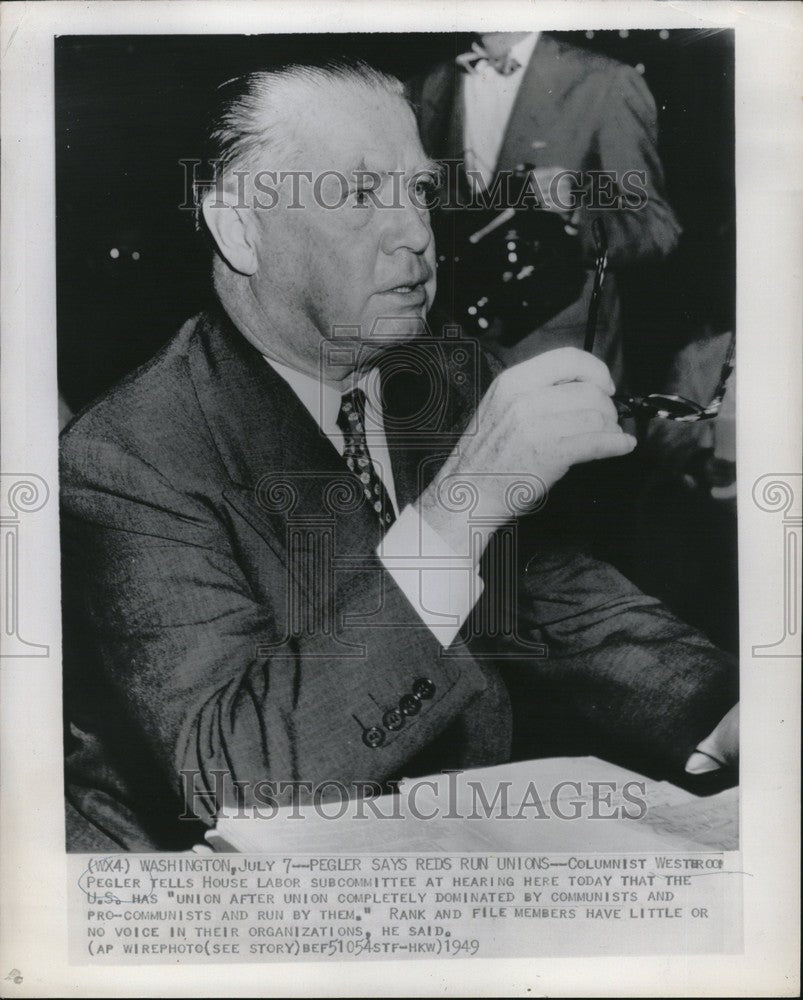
x=627 y=147
x=193 y=656
x=644 y=685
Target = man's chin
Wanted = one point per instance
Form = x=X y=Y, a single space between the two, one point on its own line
x=359 y=346
x=391 y=330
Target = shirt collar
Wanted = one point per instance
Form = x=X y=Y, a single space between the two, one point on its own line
x=322 y=400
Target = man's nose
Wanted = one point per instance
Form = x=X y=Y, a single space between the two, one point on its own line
x=407 y=227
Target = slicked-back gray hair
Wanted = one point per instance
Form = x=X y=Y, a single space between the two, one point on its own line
x=254 y=115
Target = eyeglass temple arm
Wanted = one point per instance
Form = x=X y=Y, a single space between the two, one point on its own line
x=601 y=243
x=724 y=375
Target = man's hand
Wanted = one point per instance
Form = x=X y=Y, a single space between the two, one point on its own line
x=538 y=418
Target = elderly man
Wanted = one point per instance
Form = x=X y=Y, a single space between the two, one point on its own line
x=271 y=571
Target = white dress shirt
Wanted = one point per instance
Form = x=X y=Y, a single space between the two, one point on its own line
x=488 y=99
x=441 y=584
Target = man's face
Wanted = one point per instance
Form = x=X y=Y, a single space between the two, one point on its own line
x=368 y=263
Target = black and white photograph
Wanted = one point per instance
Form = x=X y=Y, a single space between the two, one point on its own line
x=348 y=526
x=403 y=588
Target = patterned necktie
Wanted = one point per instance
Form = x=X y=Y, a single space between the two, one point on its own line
x=351 y=421
x=504 y=64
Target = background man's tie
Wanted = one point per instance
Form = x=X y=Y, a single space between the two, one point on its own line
x=351 y=421
x=504 y=64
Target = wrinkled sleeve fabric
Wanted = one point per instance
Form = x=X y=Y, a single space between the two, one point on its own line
x=646 y=683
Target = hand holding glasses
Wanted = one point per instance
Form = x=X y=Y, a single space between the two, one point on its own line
x=665 y=406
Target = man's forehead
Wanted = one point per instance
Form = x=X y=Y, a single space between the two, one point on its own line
x=375 y=162
x=355 y=127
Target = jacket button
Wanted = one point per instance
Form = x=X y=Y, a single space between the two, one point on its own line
x=424 y=688
x=393 y=719
x=373 y=737
x=410 y=705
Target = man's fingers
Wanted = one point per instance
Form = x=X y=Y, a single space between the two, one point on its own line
x=565 y=364
x=587 y=422
x=573 y=396
x=594 y=445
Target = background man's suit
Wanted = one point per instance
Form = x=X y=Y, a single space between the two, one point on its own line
x=177 y=654
x=580 y=111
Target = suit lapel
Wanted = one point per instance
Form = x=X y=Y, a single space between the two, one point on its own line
x=536 y=108
x=430 y=398
x=281 y=466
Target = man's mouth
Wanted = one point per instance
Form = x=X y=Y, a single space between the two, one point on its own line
x=413 y=288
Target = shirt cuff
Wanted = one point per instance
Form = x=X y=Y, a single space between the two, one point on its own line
x=441 y=585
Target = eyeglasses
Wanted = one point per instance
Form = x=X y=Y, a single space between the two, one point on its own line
x=665 y=406
x=668 y=406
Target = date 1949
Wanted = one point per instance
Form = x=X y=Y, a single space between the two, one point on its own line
x=455 y=946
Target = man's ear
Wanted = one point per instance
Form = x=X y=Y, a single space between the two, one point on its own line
x=232 y=230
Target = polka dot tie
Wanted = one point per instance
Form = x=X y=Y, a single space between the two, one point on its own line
x=351 y=421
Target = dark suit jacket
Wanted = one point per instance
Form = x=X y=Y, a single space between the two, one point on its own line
x=184 y=494
x=585 y=112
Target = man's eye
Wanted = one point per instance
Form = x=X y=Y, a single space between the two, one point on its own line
x=426 y=192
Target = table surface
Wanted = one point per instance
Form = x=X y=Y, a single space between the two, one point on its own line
x=567 y=804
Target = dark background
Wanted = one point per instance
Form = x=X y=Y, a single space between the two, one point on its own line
x=130 y=108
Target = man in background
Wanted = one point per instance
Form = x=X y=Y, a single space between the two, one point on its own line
x=527 y=99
